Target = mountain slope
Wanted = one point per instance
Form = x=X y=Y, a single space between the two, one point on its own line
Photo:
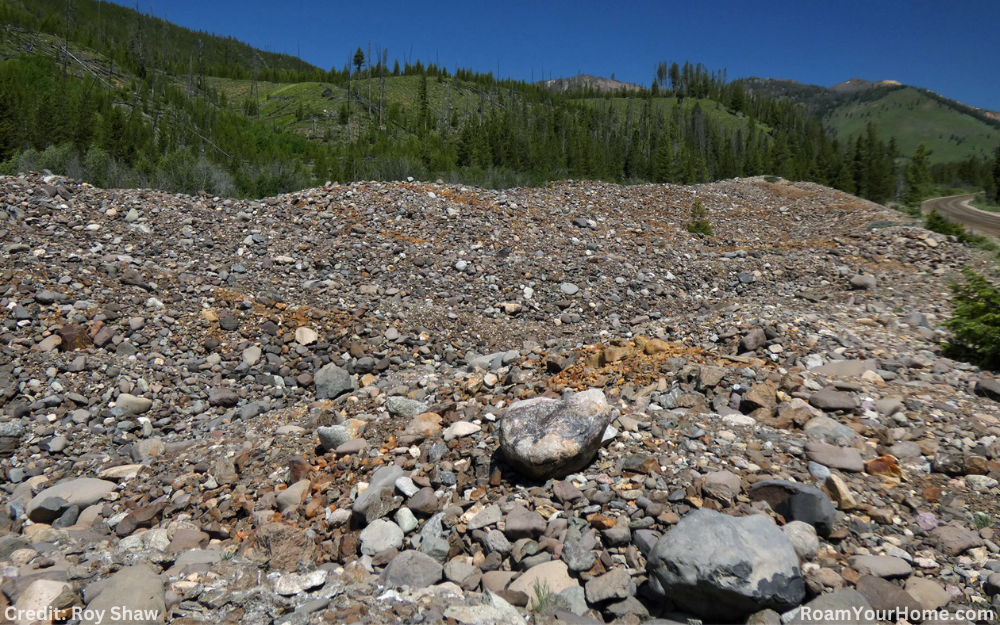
x=145 y=41
x=952 y=131
x=912 y=117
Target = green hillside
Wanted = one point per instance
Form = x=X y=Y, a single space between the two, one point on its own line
x=912 y=117
x=121 y=99
x=144 y=42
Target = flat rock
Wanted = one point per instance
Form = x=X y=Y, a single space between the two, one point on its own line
x=130 y=405
x=460 y=429
x=487 y=609
x=883 y=595
x=80 y=492
x=955 y=540
x=846 y=368
x=551 y=575
x=843 y=607
x=843 y=458
x=289 y=584
x=929 y=594
x=833 y=401
x=405 y=408
x=881 y=566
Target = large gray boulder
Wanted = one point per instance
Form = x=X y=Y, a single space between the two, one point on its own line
x=331 y=382
x=412 y=569
x=545 y=438
x=723 y=568
x=135 y=588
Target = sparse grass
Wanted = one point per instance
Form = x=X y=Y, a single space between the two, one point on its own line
x=982 y=520
x=982 y=203
x=544 y=597
x=939 y=223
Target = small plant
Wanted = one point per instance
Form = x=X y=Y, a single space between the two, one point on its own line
x=982 y=520
x=939 y=223
x=975 y=323
x=771 y=179
x=228 y=555
x=699 y=223
x=544 y=597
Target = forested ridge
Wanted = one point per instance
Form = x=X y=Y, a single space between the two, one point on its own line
x=105 y=94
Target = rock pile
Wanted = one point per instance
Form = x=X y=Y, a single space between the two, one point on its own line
x=406 y=402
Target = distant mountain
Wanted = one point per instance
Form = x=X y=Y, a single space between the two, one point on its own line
x=584 y=82
x=952 y=131
x=860 y=84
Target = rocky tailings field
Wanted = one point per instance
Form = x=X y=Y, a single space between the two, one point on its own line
x=416 y=403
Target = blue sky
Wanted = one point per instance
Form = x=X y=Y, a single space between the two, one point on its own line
x=949 y=47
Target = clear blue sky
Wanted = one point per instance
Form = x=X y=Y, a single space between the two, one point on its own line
x=949 y=47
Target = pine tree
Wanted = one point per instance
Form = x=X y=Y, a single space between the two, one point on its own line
x=699 y=223
x=664 y=169
x=996 y=177
x=423 y=110
x=917 y=177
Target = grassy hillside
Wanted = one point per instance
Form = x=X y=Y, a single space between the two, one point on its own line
x=715 y=111
x=117 y=98
x=911 y=117
x=143 y=41
x=323 y=110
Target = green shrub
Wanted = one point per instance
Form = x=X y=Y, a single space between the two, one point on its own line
x=699 y=223
x=771 y=179
x=975 y=323
x=939 y=223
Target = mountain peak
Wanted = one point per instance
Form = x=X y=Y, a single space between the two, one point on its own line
x=588 y=81
x=860 y=84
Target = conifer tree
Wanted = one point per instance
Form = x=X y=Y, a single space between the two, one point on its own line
x=699 y=223
x=996 y=177
x=917 y=177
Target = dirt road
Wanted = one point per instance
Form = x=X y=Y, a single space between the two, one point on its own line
x=958 y=209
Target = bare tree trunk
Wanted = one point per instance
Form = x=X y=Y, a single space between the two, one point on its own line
x=381 y=80
x=369 y=79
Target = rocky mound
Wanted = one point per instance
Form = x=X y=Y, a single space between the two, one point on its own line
x=291 y=410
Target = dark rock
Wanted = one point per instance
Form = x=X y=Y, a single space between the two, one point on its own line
x=332 y=382
x=833 y=401
x=753 y=340
x=797 y=502
x=725 y=568
x=412 y=569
